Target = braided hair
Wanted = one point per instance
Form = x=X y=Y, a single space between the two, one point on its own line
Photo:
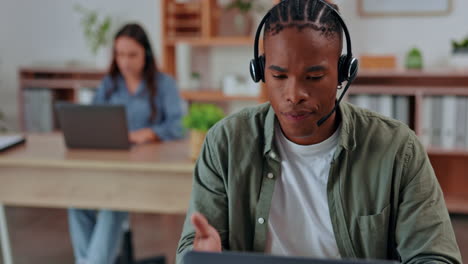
x=301 y=14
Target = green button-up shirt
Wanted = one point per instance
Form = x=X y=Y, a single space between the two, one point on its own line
x=383 y=196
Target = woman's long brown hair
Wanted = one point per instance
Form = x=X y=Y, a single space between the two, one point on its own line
x=137 y=33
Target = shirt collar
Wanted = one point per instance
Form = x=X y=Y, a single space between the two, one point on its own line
x=140 y=90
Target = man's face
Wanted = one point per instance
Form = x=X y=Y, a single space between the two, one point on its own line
x=301 y=78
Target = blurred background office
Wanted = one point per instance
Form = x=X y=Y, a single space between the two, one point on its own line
x=51 y=33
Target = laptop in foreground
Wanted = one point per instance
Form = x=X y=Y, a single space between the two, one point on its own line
x=194 y=257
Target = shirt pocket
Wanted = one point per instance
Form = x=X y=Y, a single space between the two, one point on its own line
x=374 y=233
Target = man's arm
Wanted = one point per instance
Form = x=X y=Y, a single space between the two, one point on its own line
x=424 y=233
x=208 y=197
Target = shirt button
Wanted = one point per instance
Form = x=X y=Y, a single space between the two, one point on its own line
x=270 y=175
x=272 y=155
x=261 y=221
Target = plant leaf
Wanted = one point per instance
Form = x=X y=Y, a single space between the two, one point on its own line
x=202 y=116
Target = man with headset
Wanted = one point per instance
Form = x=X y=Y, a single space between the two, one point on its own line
x=306 y=175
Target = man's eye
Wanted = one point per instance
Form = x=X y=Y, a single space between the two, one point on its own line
x=314 y=78
x=280 y=76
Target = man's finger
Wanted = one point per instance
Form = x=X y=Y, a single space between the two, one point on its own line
x=201 y=224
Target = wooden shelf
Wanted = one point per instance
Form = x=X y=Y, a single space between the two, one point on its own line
x=215 y=41
x=62 y=70
x=407 y=90
x=214 y=96
x=382 y=89
x=447 y=152
x=404 y=73
x=60 y=84
x=410 y=78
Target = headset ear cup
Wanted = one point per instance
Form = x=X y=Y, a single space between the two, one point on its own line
x=253 y=70
x=261 y=67
x=342 y=69
x=353 y=68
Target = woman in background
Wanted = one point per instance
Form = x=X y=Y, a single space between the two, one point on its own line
x=154 y=113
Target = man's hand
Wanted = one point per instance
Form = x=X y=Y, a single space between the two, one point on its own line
x=206 y=236
x=142 y=136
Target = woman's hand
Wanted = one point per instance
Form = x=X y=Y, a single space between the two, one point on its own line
x=142 y=136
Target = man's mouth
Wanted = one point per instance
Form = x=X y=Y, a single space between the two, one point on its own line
x=297 y=115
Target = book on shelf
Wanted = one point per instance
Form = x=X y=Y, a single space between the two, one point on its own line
x=460 y=122
x=426 y=131
x=449 y=108
x=38 y=110
x=351 y=99
x=396 y=107
x=444 y=118
x=436 y=127
x=362 y=100
x=374 y=102
x=386 y=105
x=401 y=109
x=445 y=122
x=184 y=66
x=466 y=122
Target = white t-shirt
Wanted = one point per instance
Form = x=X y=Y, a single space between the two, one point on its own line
x=299 y=223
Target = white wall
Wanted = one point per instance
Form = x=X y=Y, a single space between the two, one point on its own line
x=49 y=31
x=396 y=35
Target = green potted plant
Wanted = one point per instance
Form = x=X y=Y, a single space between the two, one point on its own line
x=200 y=118
x=243 y=21
x=414 y=59
x=460 y=53
x=96 y=30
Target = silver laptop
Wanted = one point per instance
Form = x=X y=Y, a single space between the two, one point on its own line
x=93 y=126
x=194 y=257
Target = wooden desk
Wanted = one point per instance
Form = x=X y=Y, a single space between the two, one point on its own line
x=153 y=178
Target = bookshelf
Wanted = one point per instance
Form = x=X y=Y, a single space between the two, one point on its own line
x=450 y=164
x=194 y=23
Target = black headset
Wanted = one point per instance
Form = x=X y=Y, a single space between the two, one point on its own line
x=347 y=64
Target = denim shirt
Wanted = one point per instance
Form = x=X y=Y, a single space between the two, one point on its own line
x=167 y=124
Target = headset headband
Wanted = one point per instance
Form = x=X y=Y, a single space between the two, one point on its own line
x=349 y=53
